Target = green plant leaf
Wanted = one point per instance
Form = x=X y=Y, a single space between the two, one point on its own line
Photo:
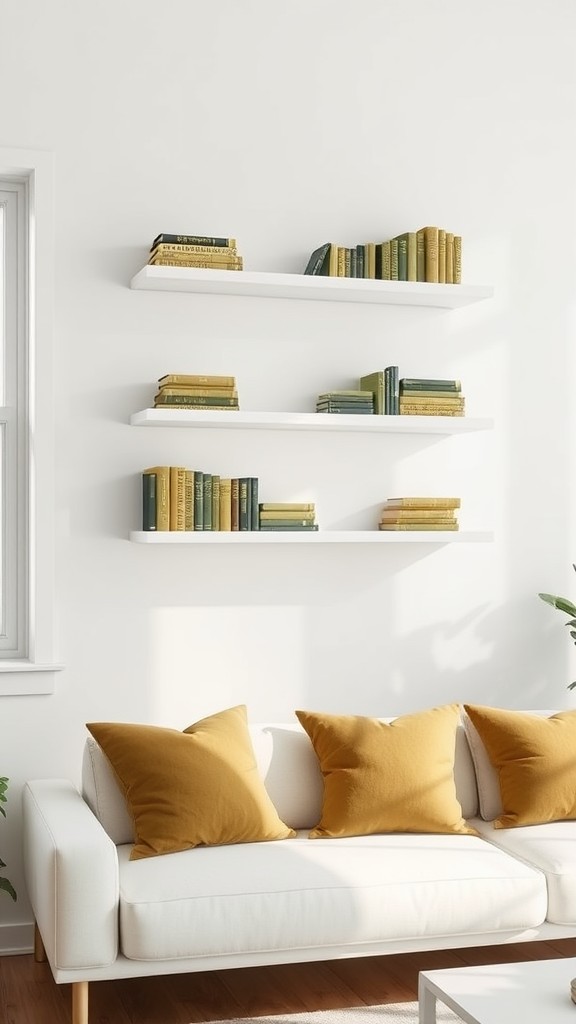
x=7 y=886
x=561 y=603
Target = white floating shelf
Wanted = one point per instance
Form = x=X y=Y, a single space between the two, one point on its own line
x=301 y=286
x=236 y=419
x=315 y=537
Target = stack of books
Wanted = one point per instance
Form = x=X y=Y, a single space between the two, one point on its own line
x=357 y=402
x=177 y=498
x=430 y=254
x=384 y=386
x=414 y=513
x=288 y=515
x=427 y=396
x=196 y=391
x=195 y=251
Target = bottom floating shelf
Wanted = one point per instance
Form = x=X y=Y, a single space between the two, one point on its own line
x=319 y=537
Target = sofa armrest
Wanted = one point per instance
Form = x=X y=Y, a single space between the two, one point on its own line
x=71 y=872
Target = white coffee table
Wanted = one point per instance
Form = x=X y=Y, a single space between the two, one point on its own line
x=535 y=992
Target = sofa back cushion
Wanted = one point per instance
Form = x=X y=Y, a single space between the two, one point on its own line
x=288 y=765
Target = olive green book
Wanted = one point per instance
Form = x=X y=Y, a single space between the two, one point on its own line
x=162 y=496
x=198 y=499
x=375 y=383
x=207 y=510
x=215 y=502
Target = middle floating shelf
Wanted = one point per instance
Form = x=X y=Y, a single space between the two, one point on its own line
x=238 y=420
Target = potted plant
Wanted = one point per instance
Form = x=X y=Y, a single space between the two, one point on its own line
x=5 y=885
x=565 y=606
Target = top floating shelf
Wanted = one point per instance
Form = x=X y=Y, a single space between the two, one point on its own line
x=301 y=286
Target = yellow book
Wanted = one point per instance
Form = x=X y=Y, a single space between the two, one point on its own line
x=177 y=498
x=189 y=499
x=225 y=503
x=183 y=389
x=415 y=501
x=386 y=261
x=195 y=257
x=197 y=380
x=215 y=251
x=441 y=256
x=199 y=264
x=333 y=261
x=418 y=526
x=449 y=257
x=370 y=251
x=402 y=515
x=287 y=514
x=162 y=495
x=430 y=253
x=287 y=506
x=341 y=272
x=457 y=259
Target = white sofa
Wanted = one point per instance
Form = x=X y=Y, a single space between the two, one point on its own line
x=100 y=915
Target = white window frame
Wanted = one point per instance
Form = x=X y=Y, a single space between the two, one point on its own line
x=30 y=668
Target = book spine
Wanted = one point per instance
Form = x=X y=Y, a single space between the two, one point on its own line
x=394 y=391
x=210 y=256
x=215 y=502
x=189 y=500
x=177 y=498
x=449 y=257
x=414 y=501
x=457 y=259
x=333 y=261
x=286 y=526
x=287 y=506
x=254 y=510
x=195 y=240
x=290 y=523
x=418 y=410
x=207 y=510
x=225 y=504
x=341 y=261
x=431 y=383
x=148 y=501
x=370 y=249
x=418 y=526
x=192 y=392
x=360 y=261
x=212 y=251
x=198 y=500
x=420 y=256
x=376 y=384
x=393 y=259
x=162 y=496
x=244 y=501
x=386 y=268
x=441 y=256
x=412 y=256
x=318 y=259
x=199 y=264
x=235 y=503
x=287 y=514
x=402 y=258
x=197 y=380
x=195 y=401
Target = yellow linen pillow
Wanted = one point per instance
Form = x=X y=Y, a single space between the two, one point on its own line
x=379 y=777
x=535 y=759
x=191 y=788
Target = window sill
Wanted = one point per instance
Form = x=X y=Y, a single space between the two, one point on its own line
x=13 y=681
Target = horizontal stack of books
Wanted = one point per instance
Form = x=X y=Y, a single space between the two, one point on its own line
x=427 y=396
x=385 y=390
x=196 y=391
x=290 y=515
x=177 y=498
x=413 y=513
x=195 y=251
x=356 y=402
x=430 y=254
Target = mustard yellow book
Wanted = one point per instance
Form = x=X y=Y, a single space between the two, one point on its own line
x=370 y=249
x=199 y=264
x=333 y=261
x=194 y=258
x=162 y=495
x=287 y=514
x=457 y=259
x=431 y=253
x=225 y=503
x=185 y=389
x=177 y=497
x=287 y=506
x=408 y=515
x=416 y=501
x=214 y=251
x=197 y=380
x=189 y=499
x=424 y=526
x=449 y=257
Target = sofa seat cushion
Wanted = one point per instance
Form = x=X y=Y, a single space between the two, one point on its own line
x=550 y=848
x=327 y=892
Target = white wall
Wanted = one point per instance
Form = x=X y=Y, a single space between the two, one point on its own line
x=287 y=125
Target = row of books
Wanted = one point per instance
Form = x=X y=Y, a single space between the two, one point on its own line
x=178 y=498
x=413 y=396
x=195 y=251
x=431 y=254
x=419 y=513
x=196 y=391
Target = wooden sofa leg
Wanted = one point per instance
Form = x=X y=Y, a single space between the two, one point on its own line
x=79 y=1002
x=39 y=951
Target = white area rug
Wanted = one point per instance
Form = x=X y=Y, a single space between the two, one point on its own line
x=389 y=1013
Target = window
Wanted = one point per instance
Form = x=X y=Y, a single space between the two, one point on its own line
x=27 y=643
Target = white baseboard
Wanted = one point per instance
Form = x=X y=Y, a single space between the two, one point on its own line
x=16 y=939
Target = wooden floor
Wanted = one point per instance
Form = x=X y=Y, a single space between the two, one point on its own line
x=28 y=994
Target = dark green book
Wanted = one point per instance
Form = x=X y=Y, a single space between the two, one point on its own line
x=193 y=401
x=207 y=510
x=429 y=384
x=402 y=257
x=244 y=511
x=198 y=500
x=221 y=243
x=149 y=501
x=215 y=502
x=392 y=391
x=348 y=410
x=318 y=262
x=255 y=518
x=292 y=529
x=360 y=261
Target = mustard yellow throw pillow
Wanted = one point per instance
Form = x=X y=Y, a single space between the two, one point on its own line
x=378 y=777
x=191 y=788
x=535 y=759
